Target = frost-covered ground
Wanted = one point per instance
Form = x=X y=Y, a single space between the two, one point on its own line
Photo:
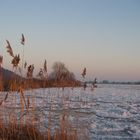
x=107 y=112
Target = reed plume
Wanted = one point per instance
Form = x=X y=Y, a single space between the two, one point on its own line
x=43 y=71
x=30 y=71
x=9 y=49
x=40 y=74
x=22 y=39
x=84 y=73
x=15 y=60
x=45 y=66
x=25 y=65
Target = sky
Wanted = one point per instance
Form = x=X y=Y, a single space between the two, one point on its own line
x=101 y=35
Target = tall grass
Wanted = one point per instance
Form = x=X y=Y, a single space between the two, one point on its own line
x=14 y=127
x=13 y=131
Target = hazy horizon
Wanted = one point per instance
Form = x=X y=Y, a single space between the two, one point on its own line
x=101 y=35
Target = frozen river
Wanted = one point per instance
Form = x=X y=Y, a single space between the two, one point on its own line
x=107 y=112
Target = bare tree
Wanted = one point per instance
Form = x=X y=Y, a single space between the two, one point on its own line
x=60 y=72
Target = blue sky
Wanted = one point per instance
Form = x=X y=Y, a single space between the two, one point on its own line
x=101 y=35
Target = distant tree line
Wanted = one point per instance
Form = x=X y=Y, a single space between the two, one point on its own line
x=59 y=77
x=114 y=82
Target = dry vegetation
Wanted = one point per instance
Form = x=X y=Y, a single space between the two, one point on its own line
x=13 y=129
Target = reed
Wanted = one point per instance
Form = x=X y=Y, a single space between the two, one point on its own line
x=29 y=132
x=16 y=127
x=1 y=83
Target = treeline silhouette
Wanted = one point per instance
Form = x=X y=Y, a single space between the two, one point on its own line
x=59 y=77
x=116 y=82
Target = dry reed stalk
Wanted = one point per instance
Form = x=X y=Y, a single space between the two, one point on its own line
x=49 y=127
x=23 y=43
x=22 y=96
x=13 y=87
x=1 y=60
x=1 y=81
x=62 y=125
x=49 y=134
x=28 y=103
x=33 y=108
x=22 y=108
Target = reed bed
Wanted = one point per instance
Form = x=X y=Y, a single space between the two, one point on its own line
x=15 y=125
x=14 y=131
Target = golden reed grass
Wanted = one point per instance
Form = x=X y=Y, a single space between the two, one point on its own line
x=14 y=129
